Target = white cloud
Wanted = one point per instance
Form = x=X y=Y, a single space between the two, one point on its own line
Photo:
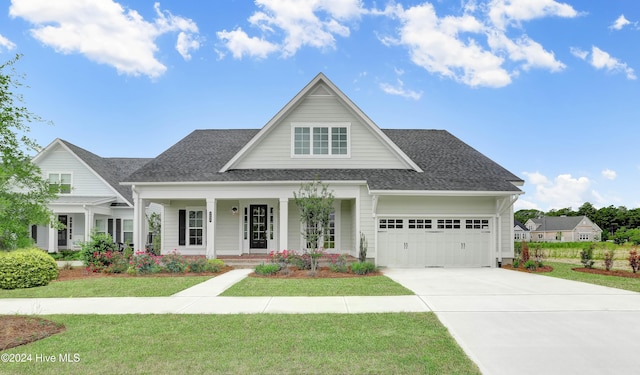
x=295 y=24
x=563 y=191
x=609 y=174
x=105 y=32
x=6 y=43
x=619 y=23
x=400 y=90
x=602 y=60
x=504 y=13
x=185 y=44
x=527 y=50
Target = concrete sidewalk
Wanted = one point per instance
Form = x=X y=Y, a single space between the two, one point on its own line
x=204 y=299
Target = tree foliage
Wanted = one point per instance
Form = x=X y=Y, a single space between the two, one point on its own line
x=24 y=193
x=315 y=202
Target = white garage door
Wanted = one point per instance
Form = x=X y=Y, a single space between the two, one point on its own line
x=434 y=242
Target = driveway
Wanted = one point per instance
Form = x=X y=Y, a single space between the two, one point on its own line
x=511 y=322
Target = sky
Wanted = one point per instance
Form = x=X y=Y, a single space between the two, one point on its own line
x=548 y=89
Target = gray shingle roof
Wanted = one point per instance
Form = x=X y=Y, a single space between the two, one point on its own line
x=112 y=170
x=448 y=164
x=557 y=223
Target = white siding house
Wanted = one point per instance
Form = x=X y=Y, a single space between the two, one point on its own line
x=91 y=197
x=422 y=198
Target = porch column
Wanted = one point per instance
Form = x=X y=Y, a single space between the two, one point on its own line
x=283 y=235
x=210 y=218
x=53 y=239
x=88 y=223
x=139 y=222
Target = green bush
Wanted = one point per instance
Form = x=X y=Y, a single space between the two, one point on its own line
x=214 y=265
x=267 y=269
x=94 y=251
x=338 y=263
x=586 y=256
x=174 y=262
x=26 y=269
x=363 y=268
x=530 y=265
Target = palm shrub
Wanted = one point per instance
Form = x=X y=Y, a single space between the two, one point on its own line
x=586 y=256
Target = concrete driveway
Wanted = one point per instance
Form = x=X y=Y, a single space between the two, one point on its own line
x=511 y=322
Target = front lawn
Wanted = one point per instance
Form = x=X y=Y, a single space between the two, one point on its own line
x=563 y=271
x=109 y=287
x=316 y=287
x=407 y=343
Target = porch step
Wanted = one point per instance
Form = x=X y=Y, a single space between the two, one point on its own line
x=253 y=260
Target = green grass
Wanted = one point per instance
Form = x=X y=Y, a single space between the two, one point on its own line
x=563 y=271
x=109 y=287
x=407 y=343
x=352 y=286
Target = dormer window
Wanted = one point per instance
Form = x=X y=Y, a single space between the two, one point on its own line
x=63 y=180
x=320 y=139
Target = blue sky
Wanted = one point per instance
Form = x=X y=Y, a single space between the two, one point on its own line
x=546 y=88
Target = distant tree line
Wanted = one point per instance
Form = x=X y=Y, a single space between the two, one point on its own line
x=617 y=223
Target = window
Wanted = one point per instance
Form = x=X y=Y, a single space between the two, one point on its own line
x=127 y=231
x=61 y=179
x=321 y=139
x=101 y=226
x=195 y=227
x=583 y=237
x=448 y=224
x=330 y=239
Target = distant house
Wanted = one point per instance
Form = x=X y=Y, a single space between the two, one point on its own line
x=91 y=196
x=520 y=232
x=564 y=229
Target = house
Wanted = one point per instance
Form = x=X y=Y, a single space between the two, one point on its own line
x=91 y=196
x=422 y=198
x=564 y=229
x=520 y=232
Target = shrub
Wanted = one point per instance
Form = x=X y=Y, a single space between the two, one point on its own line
x=586 y=256
x=99 y=243
x=173 y=262
x=302 y=262
x=530 y=265
x=119 y=263
x=143 y=262
x=362 y=254
x=338 y=263
x=26 y=269
x=634 y=260
x=214 y=265
x=363 y=268
x=267 y=269
x=516 y=263
x=608 y=259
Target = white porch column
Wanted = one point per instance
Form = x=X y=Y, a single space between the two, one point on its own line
x=283 y=225
x=88 y=223
x=211 y=218
x=139 y=222
x=53 y=239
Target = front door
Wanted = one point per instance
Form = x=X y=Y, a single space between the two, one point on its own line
x=62 y=233
x=258 y=225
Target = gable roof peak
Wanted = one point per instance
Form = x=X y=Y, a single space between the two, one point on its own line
x=329 y=88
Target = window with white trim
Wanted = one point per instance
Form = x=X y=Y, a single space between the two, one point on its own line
x=61 y=179
x=101 y=226
x=320 y=139
x=127 y=231
x=195 y=227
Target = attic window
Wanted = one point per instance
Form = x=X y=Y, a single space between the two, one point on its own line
x=320 y=139
x=63 y=180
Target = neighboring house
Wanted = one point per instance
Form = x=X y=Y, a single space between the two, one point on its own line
x=422 y=198
x=91 y=196
x=520 y=232
x=564 y=229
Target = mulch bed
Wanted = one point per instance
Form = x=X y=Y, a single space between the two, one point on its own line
x=321 y=273
x=600 y=271
x=19 y=330
x=82 y=273
x=522 y=269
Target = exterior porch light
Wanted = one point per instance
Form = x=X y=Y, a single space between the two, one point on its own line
x=234 y=210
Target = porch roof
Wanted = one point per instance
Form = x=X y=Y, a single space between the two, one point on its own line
x=448 y=164
x=71 y=200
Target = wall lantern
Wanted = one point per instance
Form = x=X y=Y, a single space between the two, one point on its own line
x=234 y=210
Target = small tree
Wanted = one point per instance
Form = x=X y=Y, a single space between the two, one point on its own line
x=24 y=193
x=155 y=225
x=586 y=256
x=362 y=255
x=315 y=202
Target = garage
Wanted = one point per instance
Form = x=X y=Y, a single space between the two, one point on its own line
x=434 y=242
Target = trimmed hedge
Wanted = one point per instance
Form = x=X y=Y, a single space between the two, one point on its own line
x=26 y=269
